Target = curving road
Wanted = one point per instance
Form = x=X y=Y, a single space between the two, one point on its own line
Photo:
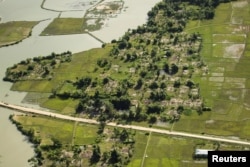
x=173 y=133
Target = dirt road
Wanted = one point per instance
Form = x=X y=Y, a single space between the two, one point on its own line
x=147 y=129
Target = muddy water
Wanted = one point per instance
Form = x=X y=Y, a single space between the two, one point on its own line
x=14 y=148
x=133 y=15
x=16 y=10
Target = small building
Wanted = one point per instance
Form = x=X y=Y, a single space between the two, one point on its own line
x=201 y=153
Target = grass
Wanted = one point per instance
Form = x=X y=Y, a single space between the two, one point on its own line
x=85 y=134
x=33 y=86
x=166 y=151
x=68 y=71
x=140 y=145
x=162 y=150
x=66 y=26
x=229 y=38
x=226 y=128
x=63 y=26
x=225 y=87
x=64 y=106
x=13 y=32
x=46 y=128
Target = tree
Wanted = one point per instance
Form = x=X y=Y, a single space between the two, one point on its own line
x=154 y=109
x=83 y=82
x=153 y=52
x=158 y=96
x=180 y=109
x=174 y=69
x=163 y=85
x=208 y=12
x=114 y=156
x=177 y=84
x=101 y=127
x=122 y=44
x=166 y=68
x=139 y=84
x=122 y=103
x=124 y=135
x=152 y=119
x=143 y=73
x=105 y=81
x=190 y=84
x=96 y=155
x=105 y=156
x=102 y=62
x=153 y=85
x=168 y=53
x=56 y=143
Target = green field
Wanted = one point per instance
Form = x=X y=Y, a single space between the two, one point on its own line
x=163 y=150
x=13 y=32
x=225 y=87
x=150 y=149
x=63 y=26
x=64 y=72
x=66 y=26
x=66 y=131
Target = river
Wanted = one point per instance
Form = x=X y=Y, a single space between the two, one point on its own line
x=14 y=148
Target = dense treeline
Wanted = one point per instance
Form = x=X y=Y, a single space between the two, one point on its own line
x=37 y=68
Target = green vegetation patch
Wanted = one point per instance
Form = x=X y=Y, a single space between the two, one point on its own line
x=167 y=151
x=32 y=86
x=85 y=134
x=13 y=32
x=63 y=26
x=46 y=128
x=229 y=38
x=64 y=106
x=85 y=144
x=246 y=129
x=146 y=74
x=225 y=85
x=38 y=68
x=226 y=128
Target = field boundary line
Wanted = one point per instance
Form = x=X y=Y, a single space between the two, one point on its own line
x=145 y=151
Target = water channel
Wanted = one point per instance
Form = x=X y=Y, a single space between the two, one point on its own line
x=14 y=148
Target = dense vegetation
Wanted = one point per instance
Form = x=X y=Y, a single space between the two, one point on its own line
x=147 y=75
x=89 y=149
x=37 y=68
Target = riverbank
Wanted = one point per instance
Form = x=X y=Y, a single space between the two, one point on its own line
x=15 y=150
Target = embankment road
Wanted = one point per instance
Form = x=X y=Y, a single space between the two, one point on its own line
x=147 y=129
